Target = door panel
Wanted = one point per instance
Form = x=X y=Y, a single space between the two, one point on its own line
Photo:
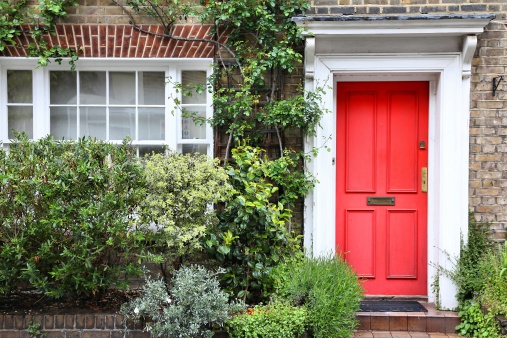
x=382 y=133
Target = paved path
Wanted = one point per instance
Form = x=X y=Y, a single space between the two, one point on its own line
x=401 y=334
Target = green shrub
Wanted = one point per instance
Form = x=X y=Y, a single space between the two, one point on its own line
x=187 y=310
x=277 y=320
x=475 y=323
x=66 y=215
x=327 y=287
x=251 y=236
x=494 y=273
x=181 y=189
x=467 y=275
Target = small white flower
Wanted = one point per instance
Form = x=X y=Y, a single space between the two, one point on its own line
x=168 y=300
x=136 y=310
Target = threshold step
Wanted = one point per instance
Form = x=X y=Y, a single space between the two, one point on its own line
x=433 y=321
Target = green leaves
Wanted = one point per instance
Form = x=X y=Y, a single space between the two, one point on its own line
x=188 y=309
x=251 y=235
x=326 y=287
x=67 y=216
x=276 y=320
x=42 y=19
x=181 y=191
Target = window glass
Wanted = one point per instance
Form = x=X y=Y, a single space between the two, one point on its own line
x=151 y=124
x=62 y=87
x=20 y=118
x=122 y=88
x=194 y=127
x=63 y=122
x=146 y=150
x=194 y=148
x=19 y=86
x=152 y=88
x=108 y=103
x=122 y=123
x=92 y=87
x=190 y=81
x=92 y=122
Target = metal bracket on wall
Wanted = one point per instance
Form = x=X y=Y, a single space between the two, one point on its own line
x=496 y=84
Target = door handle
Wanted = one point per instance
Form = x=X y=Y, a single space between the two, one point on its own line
x=424 y=179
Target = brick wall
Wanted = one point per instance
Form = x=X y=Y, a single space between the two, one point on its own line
x=488 y=129
x=81 y=325
x=488 y=124
x=372 y=7
x=91 y=325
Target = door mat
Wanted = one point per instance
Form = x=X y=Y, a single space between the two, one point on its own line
x=391 y=306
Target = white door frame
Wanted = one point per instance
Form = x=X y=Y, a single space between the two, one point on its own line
x=448 y=73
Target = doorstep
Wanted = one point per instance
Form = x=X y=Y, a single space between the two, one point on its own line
x=433 y=321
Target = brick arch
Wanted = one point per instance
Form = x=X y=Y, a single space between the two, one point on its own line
x=124 y=41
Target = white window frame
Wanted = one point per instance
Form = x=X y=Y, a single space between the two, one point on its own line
x=173 y=69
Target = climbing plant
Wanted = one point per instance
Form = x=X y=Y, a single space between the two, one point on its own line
x=38 y=21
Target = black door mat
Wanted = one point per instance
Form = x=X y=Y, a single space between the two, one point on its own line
x=391 y=306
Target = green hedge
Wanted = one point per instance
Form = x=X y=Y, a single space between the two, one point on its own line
x=66 y=215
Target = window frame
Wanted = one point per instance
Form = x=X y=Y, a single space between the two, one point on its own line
x=173 y=69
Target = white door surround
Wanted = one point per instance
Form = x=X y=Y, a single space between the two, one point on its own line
x=438 y=49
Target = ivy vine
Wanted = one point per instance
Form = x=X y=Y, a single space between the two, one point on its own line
x=19 y=17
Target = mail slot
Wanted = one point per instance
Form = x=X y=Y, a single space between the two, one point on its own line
x=380 y=200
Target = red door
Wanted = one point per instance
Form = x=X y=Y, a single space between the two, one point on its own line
x=381 y=204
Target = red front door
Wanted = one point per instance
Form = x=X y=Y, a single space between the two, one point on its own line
x=381 y=203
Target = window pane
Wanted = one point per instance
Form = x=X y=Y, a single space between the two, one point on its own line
x=62 y=87
x=63 y=123
x=194 y=127
x=19 y=86
x=20 y=118
x=151 y=88
x=122 y=88
x=92 y=87
x=151 y=123
x=92 y=122
x=194 y=148
x=121 y=123
x=189 y=81
x=147 y=150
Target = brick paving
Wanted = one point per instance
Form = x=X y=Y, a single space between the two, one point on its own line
x=401 y=334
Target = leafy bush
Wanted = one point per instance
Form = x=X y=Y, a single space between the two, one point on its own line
x=494 y=273
x=67 y=210
x=327 y=287
x=277 y=320
x=189 y=309
x=474 y=323
x=251 y=236
x=181 y=189
x=467 y=275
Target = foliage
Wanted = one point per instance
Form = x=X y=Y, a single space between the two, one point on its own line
x=16 y=15
x=276 y=320
x=34 y=330
x=494 y=267
x=67 y=210
x=181 y=190
x=251 y=236
x=466 y=273
x=327 y=287
x=248 y=91
x=474 y=323
x=189 y=309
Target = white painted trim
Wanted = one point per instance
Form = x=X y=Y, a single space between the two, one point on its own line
x=448 y=75
x=172 y=68
x=394 y=26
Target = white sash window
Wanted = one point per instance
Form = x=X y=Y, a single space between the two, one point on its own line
x=109 y=99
